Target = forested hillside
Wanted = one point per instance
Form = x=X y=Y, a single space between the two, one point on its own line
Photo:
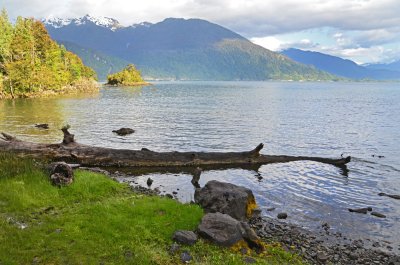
x=31 y=63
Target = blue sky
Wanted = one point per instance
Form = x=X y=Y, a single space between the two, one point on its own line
x=365 y=31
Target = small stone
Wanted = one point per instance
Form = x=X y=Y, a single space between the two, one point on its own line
x=174 y=248
x=149 y=182
x=42 y=126
x=360 y=210
x=185 y=237
x=123 y=131
x=376 y=244
x=322 y=257
x=353 y=256
x=378 y=214
x=174 y=192
x=243 y=251
x=249 y=260
x=186 y=257
x=271 y=209
x=282 y=215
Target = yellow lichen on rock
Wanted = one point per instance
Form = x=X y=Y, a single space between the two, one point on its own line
x=251 y=205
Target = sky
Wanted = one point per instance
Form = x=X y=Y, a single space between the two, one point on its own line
x=365 y=31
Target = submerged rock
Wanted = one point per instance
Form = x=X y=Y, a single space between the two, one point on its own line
x=360 y=210
x=42 y=126
x=227 y=198
x=149 y=182
x=393 y=196
x=378 y=214
x=282 y=215
x=124 y=131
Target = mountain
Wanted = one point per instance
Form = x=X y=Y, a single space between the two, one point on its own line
x=181 y=49
x=339 y=66
x=103 y=64
x=395 y=66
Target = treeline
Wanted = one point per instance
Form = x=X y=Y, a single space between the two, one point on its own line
x=32 y=63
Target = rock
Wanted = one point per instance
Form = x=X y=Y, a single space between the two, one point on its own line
x=322 y=257
x=196 y=177
x=186 y=257
x=282 y=215
x=376 y=244
x=271 y=209
x=223 y=230
x=326 y=226
x=185 y=237
x=174 y=192
x=236 y=201
x=174 y=248
x=360 y=210
x=61 y=174
x=393 y=196
x=249 y=260
x=124 y=131
x=220 y=229
x=42 y=126
x=378 y=214
x=149 y=182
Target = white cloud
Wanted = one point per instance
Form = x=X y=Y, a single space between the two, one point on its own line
x=361 y=25
x=271 y=43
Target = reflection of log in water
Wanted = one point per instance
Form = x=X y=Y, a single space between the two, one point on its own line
x=71 y=151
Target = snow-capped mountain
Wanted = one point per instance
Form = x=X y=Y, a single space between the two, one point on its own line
x=105 y=22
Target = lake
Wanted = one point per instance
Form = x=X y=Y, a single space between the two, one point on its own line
x=292 y=118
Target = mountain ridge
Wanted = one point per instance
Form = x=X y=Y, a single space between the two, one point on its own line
x=189 y=49
x=339 y=66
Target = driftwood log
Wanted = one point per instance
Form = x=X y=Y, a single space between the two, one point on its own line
x=73 y=152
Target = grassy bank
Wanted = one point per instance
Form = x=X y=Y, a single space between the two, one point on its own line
x=96 y=221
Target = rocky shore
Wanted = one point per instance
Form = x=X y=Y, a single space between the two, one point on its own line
x=324 y=247
x=316 y=247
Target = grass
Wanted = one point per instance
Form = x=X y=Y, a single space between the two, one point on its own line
x=97 y=221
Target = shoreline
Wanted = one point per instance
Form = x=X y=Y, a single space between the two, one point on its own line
x=324 y=247
x=83 y=87
x=315 y=247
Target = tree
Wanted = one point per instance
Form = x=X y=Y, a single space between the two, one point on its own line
x=128 y=76
x=31 y=62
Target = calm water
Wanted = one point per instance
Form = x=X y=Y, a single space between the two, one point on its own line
x=319 y=119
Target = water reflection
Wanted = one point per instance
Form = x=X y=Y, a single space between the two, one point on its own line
x=18 y=117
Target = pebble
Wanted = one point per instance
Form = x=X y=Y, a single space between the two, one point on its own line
x=186 y=257
x=174 y=248
x=320 y=248
x=249 y=260
x=282 y=215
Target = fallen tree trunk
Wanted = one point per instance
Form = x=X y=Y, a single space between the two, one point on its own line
x=73 y=152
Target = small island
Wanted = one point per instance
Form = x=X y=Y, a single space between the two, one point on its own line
x=129 y=76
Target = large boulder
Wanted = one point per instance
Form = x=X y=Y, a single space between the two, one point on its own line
x=61 y=174
x=223 y=230
x=236 y=201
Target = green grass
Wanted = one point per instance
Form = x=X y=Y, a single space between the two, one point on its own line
x=97 y=221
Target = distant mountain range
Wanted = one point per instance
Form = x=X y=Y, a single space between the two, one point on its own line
x=344 y=68
x=175 y=49
x=395 y=66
